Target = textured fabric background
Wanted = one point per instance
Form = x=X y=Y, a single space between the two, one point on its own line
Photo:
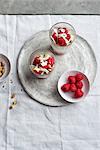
x=33 y=126
x=49 y=6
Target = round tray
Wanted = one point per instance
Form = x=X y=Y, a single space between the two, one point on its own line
x=80 y=57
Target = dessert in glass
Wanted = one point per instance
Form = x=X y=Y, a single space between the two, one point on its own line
x=62 y=35
x=42 y=63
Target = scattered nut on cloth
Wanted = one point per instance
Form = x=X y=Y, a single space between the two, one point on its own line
x=14 y=101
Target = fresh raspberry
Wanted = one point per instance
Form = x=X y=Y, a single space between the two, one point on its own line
x=65 y=87
x=79 y=77
x=36 y=61
x=79 y=84
x=73 y=88
x=66 y=31
x=79 y=93
x=71 y=79
x=61 y=41
x=37 y=72
x=54 y=36
x=60 y=31
x=68 y=37
x=46 y=67
x=51 y=60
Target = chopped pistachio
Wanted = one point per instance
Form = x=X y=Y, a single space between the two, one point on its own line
x=13 y=96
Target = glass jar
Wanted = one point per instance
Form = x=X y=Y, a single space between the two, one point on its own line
x=42 y=63
x=61 y=35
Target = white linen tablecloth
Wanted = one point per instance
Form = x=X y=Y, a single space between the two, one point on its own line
x=31 y=125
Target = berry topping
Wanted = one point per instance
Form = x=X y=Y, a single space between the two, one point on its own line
x=73 y=88
x=79 y=77
x=51 y=60
x=66 y=31
x=60 y=30
x=54 y=36
x=46 y=67
x=61 y=41
x=79 y=93
x=36 y=60
x=65 y=87
x=37 y=72
x=79 y=84
x=68 y=37
x=71 y=79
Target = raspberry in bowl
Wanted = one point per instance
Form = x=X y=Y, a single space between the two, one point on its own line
x=62 y=35
x=73 y=86
x=42 y=63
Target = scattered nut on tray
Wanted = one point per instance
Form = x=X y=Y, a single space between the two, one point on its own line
x=2 y=69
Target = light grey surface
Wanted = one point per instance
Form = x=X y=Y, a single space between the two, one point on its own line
x=31 y=125
x=50 y=6
x=79 y=57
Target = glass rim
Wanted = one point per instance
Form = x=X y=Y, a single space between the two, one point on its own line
x=62 y=23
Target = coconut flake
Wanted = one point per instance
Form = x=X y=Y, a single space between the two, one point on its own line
x=62 y=30
x=44 y=63
x=44 y=70
x=37 y=69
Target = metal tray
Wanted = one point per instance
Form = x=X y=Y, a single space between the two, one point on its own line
x=80 y=57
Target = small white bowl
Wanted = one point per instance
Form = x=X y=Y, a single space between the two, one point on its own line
x=68 y=96
x=6 y=62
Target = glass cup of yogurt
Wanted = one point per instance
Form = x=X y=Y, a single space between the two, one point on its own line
x=42 y=63
x=61 y=35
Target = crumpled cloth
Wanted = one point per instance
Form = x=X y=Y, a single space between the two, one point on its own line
x=31 y=125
